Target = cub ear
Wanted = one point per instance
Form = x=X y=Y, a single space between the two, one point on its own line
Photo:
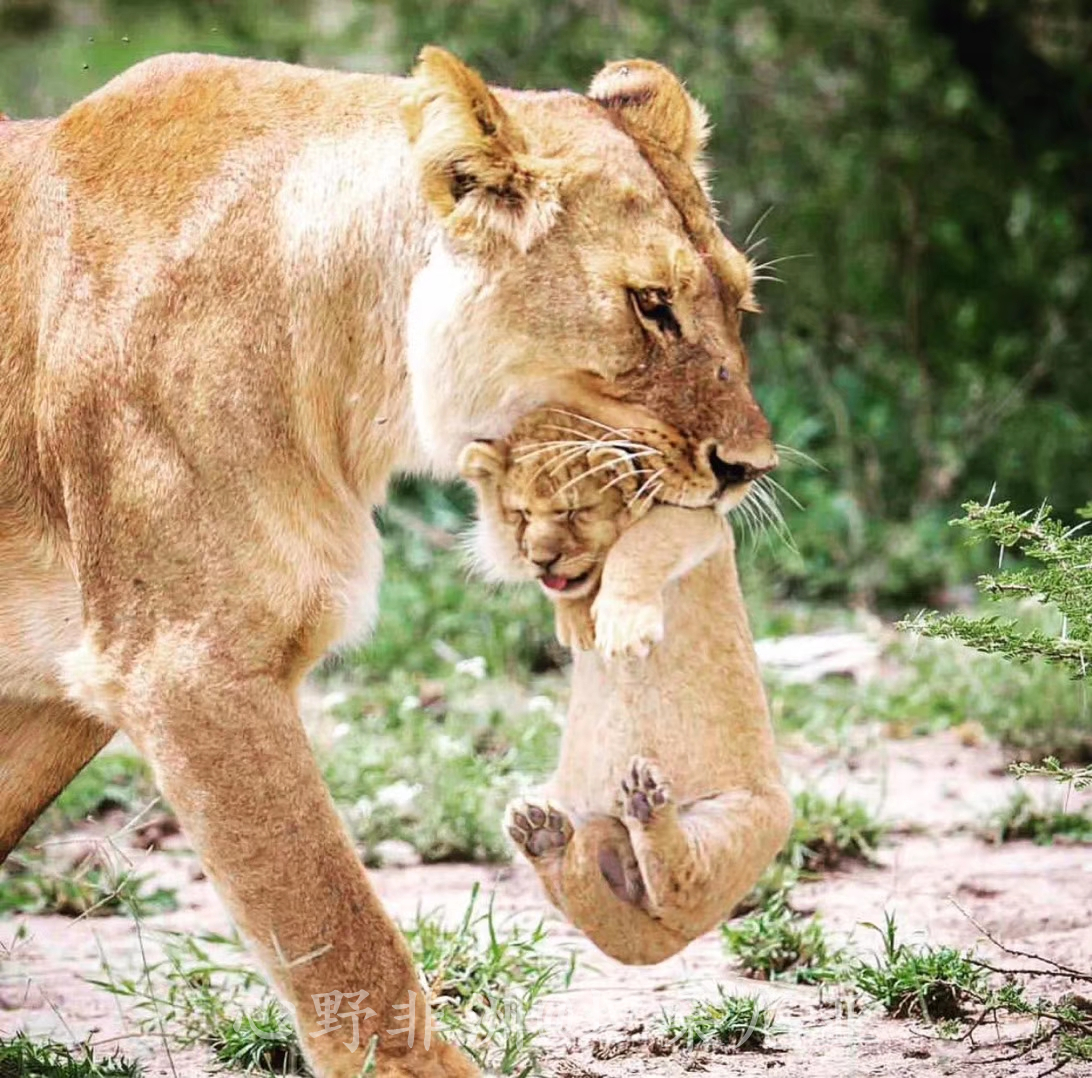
x=480 y=462
x=472 y=159
x=649 y=102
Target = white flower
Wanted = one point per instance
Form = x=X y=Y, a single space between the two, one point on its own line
x=410 y=703
x=475 y=667
x=340 y=731
x=398 y=795
x=540 y=705
x=334 y=699
x=448 y=747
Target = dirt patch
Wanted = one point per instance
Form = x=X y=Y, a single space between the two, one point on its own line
x=935 y=791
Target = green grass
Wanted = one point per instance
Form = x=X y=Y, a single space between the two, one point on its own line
x=773 y=943
x=482 y=975
x=828 y=832
x=118 y=780
x=1022 y=818
x=1032 y=710
x=21 y=1057
x=204 y=991
x=739 y=1023
x=437 y=772
x=919 y=981
x=433 y=611
x=29 y=885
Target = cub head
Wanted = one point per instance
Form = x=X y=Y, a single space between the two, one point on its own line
x=551 y=503
x=575 y=260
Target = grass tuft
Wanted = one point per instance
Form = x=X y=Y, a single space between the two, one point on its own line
x=482 y=977
x=774 y=943
x=21 y=1057
x=28 y=885
x=1021 y=818
x=735 y=1023
x=932 y=983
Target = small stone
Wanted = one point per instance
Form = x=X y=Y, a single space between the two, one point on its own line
x=395 y=853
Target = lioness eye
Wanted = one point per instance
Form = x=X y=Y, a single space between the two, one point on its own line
x=653 y=305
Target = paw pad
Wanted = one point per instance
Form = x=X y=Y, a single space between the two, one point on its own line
x=645 y=790
x=537 y=827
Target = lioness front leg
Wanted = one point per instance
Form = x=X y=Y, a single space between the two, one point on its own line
x=698 y=860
x=231 y=756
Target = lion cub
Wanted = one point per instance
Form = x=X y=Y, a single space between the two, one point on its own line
x=667 y=802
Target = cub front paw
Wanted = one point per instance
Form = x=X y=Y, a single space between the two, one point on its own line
x=626 y=627
x=645 y=790
x=573 y=624
x=537 y=827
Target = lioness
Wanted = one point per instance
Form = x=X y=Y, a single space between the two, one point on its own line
x=235 y=298
x=667 y=802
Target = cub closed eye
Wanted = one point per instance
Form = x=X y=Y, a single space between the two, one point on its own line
x=653 y=305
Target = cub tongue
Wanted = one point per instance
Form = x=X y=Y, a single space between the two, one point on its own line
x=554 y=583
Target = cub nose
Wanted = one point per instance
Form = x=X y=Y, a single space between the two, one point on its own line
x=546 y=562
x=739 y=467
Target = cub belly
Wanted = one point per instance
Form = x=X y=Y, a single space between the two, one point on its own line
x=687 y=705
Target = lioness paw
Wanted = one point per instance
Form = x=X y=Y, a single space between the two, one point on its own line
x=645 y=790
x=537 y=827
x=627 y=627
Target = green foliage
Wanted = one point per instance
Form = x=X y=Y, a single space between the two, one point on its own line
x=262 y=1039
x=1022 y=818
x=29 y=885
x=773 y=943
x=21 y=1057
x=733 y=1022
x=1080 y=778
x=1058 y=575
x=923 y=981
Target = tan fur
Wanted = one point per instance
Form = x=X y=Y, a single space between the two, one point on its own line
x=235 y=298
x=667 y=802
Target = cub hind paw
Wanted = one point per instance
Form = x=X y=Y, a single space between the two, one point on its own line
x=645 y=790
x=538 y=828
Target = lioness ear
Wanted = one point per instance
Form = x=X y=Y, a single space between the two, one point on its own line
x=651 y=105
x=480 y=462
x=476 y=174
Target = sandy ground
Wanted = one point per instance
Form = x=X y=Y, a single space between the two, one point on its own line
x=934 y=791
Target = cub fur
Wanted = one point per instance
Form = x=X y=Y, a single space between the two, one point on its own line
x=237 y=297
x=667 y=802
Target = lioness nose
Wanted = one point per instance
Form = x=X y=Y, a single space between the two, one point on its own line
x=739 y=467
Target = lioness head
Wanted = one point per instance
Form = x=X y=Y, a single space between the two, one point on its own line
x=576 y=261
x=552 y=499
